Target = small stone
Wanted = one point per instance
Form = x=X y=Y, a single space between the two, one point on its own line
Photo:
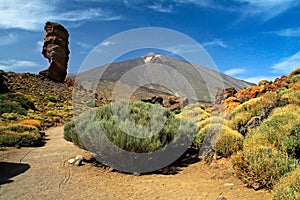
x=71 y=161
x=136 y=174
x=221 y=198
x=229 y=184
x=78 y=162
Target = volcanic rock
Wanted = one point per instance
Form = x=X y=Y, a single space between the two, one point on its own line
x=3 y=83
x=221 y=95
x=154 y=100
x=56 y=50
x=176 y=103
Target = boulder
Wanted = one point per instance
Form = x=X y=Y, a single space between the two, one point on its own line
x=56 y=50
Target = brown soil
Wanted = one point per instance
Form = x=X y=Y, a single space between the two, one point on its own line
x=50 y=176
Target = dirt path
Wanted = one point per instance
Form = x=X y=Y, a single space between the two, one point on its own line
x=47 y=175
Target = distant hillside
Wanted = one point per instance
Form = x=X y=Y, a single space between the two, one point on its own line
x=199 y=77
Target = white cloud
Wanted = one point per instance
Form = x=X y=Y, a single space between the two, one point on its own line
x=266 y=8
x=39 y=46
x=32 y=14
x=18 y=65
x=107 y=43
x=235 y=71
x=183 y=48
x=84 y=45
x=288 y=64
x=290 y=32
x=203 y=3
x=256 y=79
x=159 y=8
x=8 y=39
x=215 y=42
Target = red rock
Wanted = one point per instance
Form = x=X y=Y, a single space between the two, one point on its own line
x=224 y=94
x=56 y=50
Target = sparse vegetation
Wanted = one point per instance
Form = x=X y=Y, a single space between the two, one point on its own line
x=288 y=187
x=11 y=107
x=20 y=99
x=261 y=106
x=262 y=166
x=228 y=142
x=23 y=135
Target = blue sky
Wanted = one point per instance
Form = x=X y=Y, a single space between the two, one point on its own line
x=247 y=39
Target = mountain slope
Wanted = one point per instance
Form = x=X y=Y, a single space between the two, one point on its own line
x=158 y=74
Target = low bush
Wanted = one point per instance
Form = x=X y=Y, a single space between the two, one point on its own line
x=31 y=122
x=276 y=130
x=210 y=120
x=261 y=166
x=228 y=142
x=141 y=128
x=194 y=112
x=71 y=134
x=22 y=135
x=292 y=142
x=288 y=187
x=24 y=102
x=261 y=106
x=290 y=96
x=11 y=107
x=295 y=72
x=263 y=82
x=223 y=139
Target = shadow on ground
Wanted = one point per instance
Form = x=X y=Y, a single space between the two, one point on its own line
x=9 y=170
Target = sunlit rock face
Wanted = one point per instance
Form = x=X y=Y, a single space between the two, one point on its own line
x=56 y=50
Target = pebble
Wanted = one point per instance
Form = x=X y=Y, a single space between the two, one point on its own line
x=71 y=161
x=229 y=184
x=78 y=162
x=221 y=198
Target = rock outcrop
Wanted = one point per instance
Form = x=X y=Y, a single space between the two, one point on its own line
x=56 y=50
x=3 y=83
x=176 y=103
x=154 y=100
x=224 y=94
x=173 y=102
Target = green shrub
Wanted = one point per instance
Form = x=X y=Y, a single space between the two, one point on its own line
x=21 y=99
x=295 y=72
x=194 y=112
x=225 y=141
x=210 y=120
x=22 y=135
x=128 y=130
x=292 y=142
x=228 y=142
x=262 y=166
x=261 y=106
x=288 y=187
x=263 y=82
x=276 y=130
x=290 y=96
x=71 y=135
x=11 y=107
